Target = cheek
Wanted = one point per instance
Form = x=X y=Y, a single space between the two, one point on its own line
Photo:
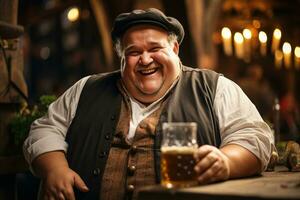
x=131 y=62
x=159 y=57
x=129 y=67
x=165 y=56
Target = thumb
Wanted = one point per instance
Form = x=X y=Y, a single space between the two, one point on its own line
x=79 y=183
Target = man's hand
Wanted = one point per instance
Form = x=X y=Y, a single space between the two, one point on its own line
x=59 y=183
x=58 y=179
x=212 y=165
x=231 y=161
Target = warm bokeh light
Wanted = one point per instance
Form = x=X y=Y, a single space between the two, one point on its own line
x=297 y=52
x=262 y=36
x=226 y=33
x=278 y=55
x=286 y=48
x=277 y=33
x=226 y=39
x=276 y=39
x=256 y=24
x=73 y=14
x=247 y=33
x=45 y=53
x=297 y=57
x=238 y=38
x=278 y=58
x=239 y=45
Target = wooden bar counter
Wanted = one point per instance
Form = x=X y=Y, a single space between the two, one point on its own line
x=278 y=185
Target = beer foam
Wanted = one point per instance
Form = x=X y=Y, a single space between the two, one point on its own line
x=178 y=150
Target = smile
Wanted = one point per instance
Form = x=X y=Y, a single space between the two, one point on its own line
x=148 y=71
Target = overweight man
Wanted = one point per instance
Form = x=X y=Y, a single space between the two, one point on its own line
x=101 y=138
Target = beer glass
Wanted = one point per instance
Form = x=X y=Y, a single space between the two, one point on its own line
x=179 y=142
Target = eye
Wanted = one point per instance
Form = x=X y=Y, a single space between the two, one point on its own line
x=132 y=53
x=155 y=49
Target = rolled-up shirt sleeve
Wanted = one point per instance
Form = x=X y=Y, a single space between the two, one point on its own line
x=48 y=132
x=240 y=123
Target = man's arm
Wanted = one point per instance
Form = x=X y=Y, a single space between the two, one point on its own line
x=231 y=161
x=45 y=146
x=241 y=124
x=246 y=140
x=48 y=132
x=241 y=161
x=58 y=179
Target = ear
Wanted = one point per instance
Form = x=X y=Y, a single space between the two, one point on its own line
x=123 y=63
x=176 y=47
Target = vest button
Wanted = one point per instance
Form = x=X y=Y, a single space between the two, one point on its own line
x=133 y=149
x=96 y=172
x=107 y=136
x=130 y=188
x=113 y=117
x=102 y=154
x=131 y=169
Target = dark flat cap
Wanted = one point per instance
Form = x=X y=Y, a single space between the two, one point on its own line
x=151 y=16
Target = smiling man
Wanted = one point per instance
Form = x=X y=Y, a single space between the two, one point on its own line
x=99 y=140
x=150 y=64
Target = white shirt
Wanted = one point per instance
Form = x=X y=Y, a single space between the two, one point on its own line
x=239 y=122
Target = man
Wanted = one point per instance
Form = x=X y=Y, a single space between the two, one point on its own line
x=103 y=134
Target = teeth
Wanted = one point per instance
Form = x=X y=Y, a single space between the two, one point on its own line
x=148 y=71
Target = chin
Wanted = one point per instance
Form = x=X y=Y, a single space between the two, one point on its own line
x=150 y=89
x=147 y=100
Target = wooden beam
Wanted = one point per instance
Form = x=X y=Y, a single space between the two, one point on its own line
x=104 y=31
x=202 y=18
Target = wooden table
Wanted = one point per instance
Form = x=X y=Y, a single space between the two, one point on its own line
x=277 y=185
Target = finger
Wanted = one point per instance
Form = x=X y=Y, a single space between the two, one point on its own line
x=56 y=195
x=205 y=163
x=51 y=198
x=61 y=196
x=212 y=174
x=220 y=176
x=202 y=151
x=69 y=193
x=79 y=183
x=48 y=195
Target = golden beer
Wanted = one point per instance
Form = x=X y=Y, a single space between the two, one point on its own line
x=177 y=166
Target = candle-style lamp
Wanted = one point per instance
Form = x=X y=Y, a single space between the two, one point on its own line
x=297 y=57
x=276 y=39
x=247 y=35
x=227 y=43
x=262 y=36
x=239 y=45
x=278 y=58
x=287 y=49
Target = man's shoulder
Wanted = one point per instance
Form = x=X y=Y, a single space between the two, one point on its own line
x=106 y=75
x=202 y=72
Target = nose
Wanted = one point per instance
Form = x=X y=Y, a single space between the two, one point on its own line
x=145 y=58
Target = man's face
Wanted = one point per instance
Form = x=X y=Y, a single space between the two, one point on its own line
x=150 y=64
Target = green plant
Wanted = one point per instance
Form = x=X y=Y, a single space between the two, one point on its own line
x=20 y=123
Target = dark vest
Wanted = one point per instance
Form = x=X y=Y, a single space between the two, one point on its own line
x=93 y=127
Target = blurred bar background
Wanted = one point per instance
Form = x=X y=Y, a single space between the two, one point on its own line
x=47 y=45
